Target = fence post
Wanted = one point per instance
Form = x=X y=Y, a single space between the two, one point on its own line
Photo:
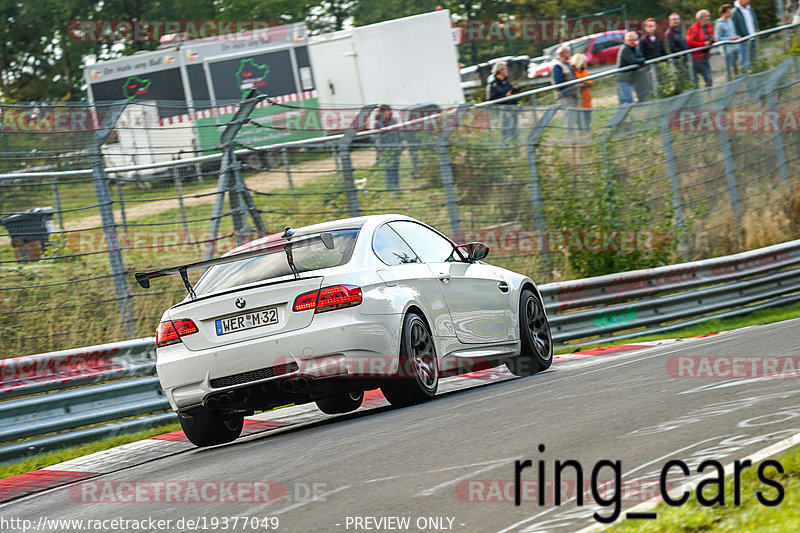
x=608 y=163
x=769 y=88
x=179 y=191
x=531 y=142
x=446 y=166
x=104 y=202
x=344 y=146
x=232 y=182
x=727 y=154
x=672 y=170
x=123 y=216
x=57 y=202
x=285 y=159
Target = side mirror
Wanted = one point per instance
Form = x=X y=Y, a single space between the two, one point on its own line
x=476 y=251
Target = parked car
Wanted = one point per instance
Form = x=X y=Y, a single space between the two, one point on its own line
x=325 y=312
x=541 y=66
x=599 y=48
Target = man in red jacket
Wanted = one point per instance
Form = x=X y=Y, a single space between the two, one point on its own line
x=701 y=34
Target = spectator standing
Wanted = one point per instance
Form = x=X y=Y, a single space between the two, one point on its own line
x=567 y=96
x=389 y=146
x=585 y=114
x=500 y=87
x=652 y=47
x=676 y=42
x=745 y=23
x=698 y=35
x=629 y=54
x=724 y=31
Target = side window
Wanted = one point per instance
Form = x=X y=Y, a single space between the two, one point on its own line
x=391 y=249
x=429 y=245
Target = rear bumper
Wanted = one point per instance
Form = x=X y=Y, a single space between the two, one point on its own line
x=337 y=344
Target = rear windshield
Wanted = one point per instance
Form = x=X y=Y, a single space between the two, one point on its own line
x=308 y=256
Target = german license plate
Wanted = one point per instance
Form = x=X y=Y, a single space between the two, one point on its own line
x=232 y=324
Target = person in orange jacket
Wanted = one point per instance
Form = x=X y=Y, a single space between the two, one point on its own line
x=578 y=62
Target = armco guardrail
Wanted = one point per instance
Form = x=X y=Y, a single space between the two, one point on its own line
x=615 y=306
x=87 y=390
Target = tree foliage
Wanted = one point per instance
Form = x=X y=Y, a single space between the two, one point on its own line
x=39 y=61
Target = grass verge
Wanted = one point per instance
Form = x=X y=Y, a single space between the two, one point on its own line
x=756 y=318
x=751 y=515
x=71 y=452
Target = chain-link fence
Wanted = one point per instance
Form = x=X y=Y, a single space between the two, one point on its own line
x=151 y=184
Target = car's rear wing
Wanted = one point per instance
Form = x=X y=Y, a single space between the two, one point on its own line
x=143 y=278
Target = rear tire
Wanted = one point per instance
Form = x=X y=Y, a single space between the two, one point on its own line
x=536 y=341
x=209 y=428
x=418 y=378
x=341 y=402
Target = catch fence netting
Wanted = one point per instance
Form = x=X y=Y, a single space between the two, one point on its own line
x=91 y=194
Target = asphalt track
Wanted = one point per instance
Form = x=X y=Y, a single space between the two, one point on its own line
x=431 y=460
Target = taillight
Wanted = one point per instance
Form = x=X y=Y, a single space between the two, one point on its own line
x=171 y=331
x=328 y=299
x=305 y=301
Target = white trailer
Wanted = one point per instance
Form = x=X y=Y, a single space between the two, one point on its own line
x=400 y=62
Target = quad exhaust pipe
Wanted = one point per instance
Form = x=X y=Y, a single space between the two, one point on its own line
x=296 y=385
x=219 y=401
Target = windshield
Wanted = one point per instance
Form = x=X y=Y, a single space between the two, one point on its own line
x=308 y=256
x=580 y=47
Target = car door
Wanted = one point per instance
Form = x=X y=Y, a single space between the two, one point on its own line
x=405 y=270
x=476 y=296
x=611 y=46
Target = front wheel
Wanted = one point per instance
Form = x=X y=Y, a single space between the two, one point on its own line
x=209 y=428
x=341 y=403
x=536 y=342
x=418 y=377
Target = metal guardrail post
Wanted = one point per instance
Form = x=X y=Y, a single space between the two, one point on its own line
x=727 y=154
x=672 y=169
x=103 y=192
x=769 y=88
x=344 y=147
x=446 y=166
